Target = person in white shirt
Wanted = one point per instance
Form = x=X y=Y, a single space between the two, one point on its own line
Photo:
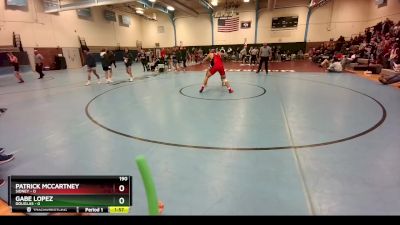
x=336 y=66
x=253 y=53
x=348 y=60
x=243 y=54
x=39 y=64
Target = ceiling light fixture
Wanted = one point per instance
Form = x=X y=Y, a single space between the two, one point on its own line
x=214 y=2
x=170 y=8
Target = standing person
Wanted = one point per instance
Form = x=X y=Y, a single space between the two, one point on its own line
x=184 y=57
x=265 y=55
x=106 y=64
x=39 y=63
x=216 y=66
x=91 y=66
x=163 y=53
x=254 y=53
x=112 y=58
x=148 y=53
x=175 y=60
x=128 y=59
x=243 y=54
x=143 y=60
x=14 y=61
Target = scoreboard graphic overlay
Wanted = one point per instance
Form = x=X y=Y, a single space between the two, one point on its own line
x=82 y=194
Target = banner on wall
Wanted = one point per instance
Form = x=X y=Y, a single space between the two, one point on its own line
x=245 y=24
x=110 y=15
x=16 y=3
x=84 y=13
x=124 y=20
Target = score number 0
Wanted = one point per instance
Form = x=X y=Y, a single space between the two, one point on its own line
x=121 y=188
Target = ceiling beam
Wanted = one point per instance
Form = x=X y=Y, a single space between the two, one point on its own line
x=184 y=8
x=206 y=5
x=155 y=5
x=56 y=6
x=271 y=4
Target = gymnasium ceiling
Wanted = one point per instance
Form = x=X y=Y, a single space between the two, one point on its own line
x=184 y=7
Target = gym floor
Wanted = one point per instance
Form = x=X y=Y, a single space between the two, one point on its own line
x=292 y=142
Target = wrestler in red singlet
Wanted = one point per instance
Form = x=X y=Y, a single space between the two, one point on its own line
x=217 y=66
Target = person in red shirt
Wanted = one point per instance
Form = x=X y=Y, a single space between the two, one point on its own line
x=216 y=66
x=163 y=53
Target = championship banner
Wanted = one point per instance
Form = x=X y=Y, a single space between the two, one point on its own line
x=245 y=24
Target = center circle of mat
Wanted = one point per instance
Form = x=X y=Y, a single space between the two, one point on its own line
x=183 y=122
x=214 y=93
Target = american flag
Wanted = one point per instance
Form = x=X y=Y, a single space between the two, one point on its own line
x=228 y=25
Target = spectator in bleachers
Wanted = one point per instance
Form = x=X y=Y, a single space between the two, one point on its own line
x=393 y=55
x=154 y=64
x=351 y=58
x=387 y=24
x=311 y=53
x=390 y=79
x=300 y=54
x=278 y=53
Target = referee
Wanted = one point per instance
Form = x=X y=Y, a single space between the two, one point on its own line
x=265 y=55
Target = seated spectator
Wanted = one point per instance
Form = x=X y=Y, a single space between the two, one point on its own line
x=154 y=65
x=394 y=54
x=222 y=50
x=389 y=79
x=300 y=54
x=396 y=66
x=352 y=58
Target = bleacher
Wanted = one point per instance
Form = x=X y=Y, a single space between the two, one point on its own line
x=389 y=72
x=365 y=65
x=5 y=49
